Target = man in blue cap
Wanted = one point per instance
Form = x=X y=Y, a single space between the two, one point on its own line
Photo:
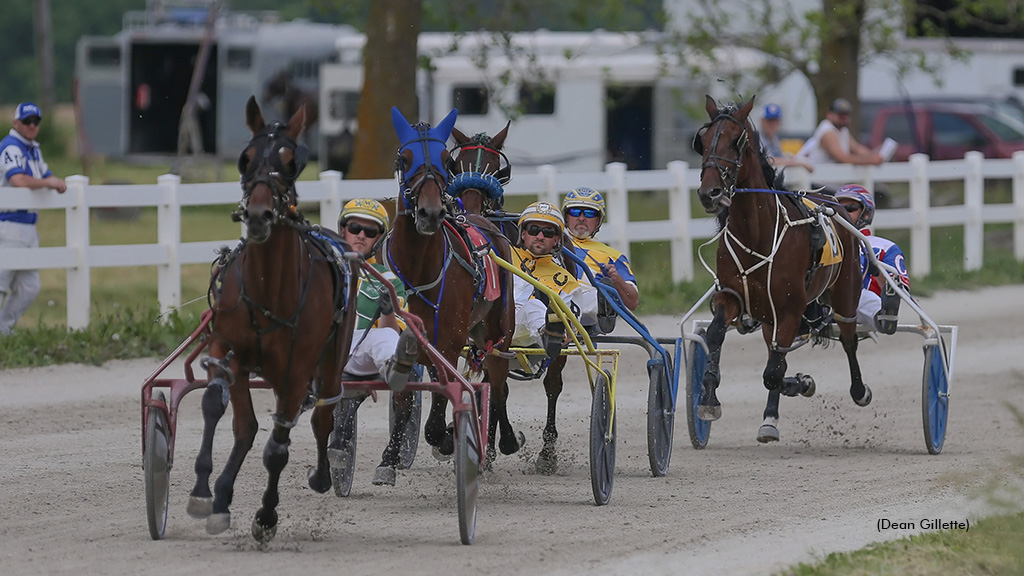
x=771 y=122
x=21 y=166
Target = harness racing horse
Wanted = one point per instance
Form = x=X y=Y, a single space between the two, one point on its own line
x=480 y=171
x=767 y=271
x=429 y=249
x=279 y=305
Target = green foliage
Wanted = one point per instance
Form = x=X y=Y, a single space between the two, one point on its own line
x=129 y=333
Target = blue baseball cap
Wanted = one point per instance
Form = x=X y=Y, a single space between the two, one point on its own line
x=772 y=112
x=27 y=110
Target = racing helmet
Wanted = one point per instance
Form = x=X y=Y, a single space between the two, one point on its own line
x=866 y=199
x=584 y=197
x=365 y=208
x=542 y=212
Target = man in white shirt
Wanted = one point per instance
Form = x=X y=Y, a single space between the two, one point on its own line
x=832 y=142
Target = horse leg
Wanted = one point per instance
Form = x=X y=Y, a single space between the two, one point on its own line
x=322 y=422
x=275 y=457
x=859 y=391
x=436 y=431
x=709 y=407
x=497 y=375
x=547 y=460
x=386 y=473
x=774 y=374
x=215 y=402
x=245 y=426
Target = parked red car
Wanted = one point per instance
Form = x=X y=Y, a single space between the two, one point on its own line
x=947 y=131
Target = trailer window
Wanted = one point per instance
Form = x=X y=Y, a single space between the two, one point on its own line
x=344 y=104
x=537 y=99
x=104 y=56
x=239 y=58
x=470 y=100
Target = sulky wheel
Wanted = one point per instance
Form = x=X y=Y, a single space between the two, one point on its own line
x=467 y=475
x=341 y=450
x=602 y=444
x=934 y=398
x=157 y=468
x=700 y=430
x=411 y=435
x=661 y=418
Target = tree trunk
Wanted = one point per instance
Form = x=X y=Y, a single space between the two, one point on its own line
x=838 y=70
x=389 y=79
x=44 y=53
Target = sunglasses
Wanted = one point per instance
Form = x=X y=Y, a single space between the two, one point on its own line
x=354 y=228
x=577 y=212
x=852 y=207
x=31 y=121
x=547 y=231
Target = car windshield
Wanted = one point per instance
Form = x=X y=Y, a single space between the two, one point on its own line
x=1005 y=126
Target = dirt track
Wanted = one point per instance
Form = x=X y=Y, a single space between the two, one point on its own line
x=72 y=498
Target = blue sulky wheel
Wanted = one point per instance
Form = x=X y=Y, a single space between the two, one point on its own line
x=157 y=468
x=660 y=418
x=700 y=430
x=934 y=398
x=467 y=474
x=602 y=444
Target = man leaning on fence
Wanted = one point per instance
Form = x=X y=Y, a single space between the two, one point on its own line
x=22 y=166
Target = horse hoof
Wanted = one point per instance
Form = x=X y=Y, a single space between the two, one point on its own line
x=865 y=400
x=767 y=433
x=217 y=523
x=709 y=412
x=317 y=482
x=547 y=461
x=261 y=533
x=384 y=476
x=510 y=448
x=199 y=507
x=439 y=456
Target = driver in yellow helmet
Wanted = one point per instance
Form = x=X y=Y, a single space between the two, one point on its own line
x=540 y=237
x=379 y=345
x=584 y=211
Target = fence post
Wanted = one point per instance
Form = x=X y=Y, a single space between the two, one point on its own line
x=920 y=230
x=618 y=207
x=330 y=208
x=974 y=198
x=549 y=194
x=76 y=227
x=679 y=215
x=1018 y=205
x=168 y=233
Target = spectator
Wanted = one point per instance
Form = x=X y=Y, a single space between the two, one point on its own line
x=541 y=234
x=377 y=346
x=23 y=167
x=832 y=141
x=771 y=123
x=879 y=306
x=584 y=211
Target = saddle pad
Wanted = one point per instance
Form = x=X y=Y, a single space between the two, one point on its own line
x=832 y=252
x=492 y=284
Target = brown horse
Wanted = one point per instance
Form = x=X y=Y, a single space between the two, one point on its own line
x=428 y=250
x=274 y=302
x=479 y=175
x=767 y=271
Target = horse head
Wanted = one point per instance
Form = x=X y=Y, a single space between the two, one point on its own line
x=269 y=166
x=723 y=143
x=421 y=166
x=480 y=170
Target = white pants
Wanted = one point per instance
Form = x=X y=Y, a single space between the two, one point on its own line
x=18 y=288
x=531 y=314
x=870 y=304
x=370 y=356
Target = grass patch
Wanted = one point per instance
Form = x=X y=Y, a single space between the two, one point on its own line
x=993 y=546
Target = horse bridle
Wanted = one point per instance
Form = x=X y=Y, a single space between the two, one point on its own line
x=728 y=168
x=268 y=169
x=409 y=192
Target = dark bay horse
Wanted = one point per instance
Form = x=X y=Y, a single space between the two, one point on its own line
x=480 y=171
x=274 y=300
x=429 y=251
x=766 y=268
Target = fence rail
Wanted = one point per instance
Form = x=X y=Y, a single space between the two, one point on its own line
x=680 y=228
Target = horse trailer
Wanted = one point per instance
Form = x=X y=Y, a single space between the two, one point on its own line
x=131 y=88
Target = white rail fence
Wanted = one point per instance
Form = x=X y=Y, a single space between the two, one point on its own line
x=680 y=227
